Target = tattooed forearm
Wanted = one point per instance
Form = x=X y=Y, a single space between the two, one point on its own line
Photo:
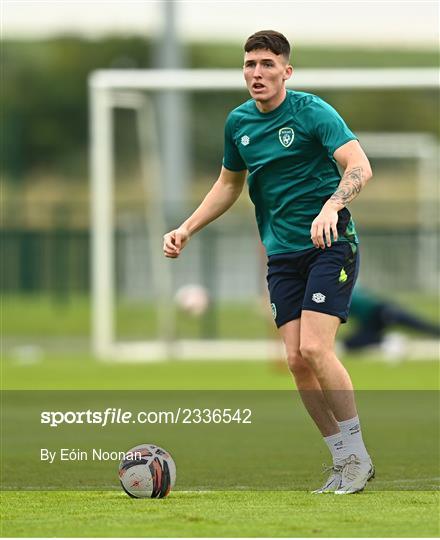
x=349 y=187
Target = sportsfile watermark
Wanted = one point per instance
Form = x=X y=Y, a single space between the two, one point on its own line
x=219 y=440
x=114 y=415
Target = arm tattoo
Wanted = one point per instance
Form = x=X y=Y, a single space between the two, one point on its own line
x=349 y=187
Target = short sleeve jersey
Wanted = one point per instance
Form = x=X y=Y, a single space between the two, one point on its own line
x=288 y=153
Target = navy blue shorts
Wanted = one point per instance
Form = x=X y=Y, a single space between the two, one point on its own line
x=313 y=279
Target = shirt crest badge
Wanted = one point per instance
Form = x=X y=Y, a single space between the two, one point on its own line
x=286 y=136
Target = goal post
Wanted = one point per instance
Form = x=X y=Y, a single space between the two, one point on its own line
x=132 y=89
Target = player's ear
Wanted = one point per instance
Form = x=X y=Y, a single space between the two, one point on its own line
x=288 y=72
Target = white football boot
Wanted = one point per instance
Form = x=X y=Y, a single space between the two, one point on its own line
x=355 y=475
x=334 y=480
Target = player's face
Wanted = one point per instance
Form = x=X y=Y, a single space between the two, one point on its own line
x=265 y=73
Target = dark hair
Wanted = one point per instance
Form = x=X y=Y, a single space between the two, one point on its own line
x=268 y=39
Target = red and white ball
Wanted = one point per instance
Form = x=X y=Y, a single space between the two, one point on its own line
x=147 y=471
x=192 y=299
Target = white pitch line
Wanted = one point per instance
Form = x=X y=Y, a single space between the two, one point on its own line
x=434 y=480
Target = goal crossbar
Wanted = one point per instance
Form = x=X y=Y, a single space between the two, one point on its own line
x=232 y=79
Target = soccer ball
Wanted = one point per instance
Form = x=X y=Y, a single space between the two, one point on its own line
x=192 y=299
x=147 y=471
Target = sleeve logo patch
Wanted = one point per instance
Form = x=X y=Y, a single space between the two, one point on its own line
x=286 y=136
x=274 y=310
x=318 y=297
x=245 y=140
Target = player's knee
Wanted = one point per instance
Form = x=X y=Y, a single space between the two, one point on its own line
x=313 y=353
x=296 y=363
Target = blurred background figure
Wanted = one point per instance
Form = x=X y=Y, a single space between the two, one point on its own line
x=375 y=315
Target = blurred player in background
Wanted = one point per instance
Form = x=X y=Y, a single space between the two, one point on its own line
x=290 y=143
x=375 y=315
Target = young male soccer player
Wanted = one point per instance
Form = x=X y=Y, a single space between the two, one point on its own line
x=289 y=143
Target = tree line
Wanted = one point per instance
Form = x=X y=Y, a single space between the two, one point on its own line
x=44 y=99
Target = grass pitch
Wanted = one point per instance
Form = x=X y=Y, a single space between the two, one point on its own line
x=397 y=511
x=220 y=514
x=82 y=372
x=389 y=507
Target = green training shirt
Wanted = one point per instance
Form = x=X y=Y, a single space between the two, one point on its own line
x=289 y=155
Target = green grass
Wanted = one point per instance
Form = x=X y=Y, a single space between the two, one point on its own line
x=389 y=507
x=40 y=316
x=382 y=510
x=220 y=514
x=77 y=371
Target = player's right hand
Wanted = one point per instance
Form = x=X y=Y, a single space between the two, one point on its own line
x=174 y=242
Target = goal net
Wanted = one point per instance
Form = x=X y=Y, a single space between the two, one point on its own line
x=136 y=157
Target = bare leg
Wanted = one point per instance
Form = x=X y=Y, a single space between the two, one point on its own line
x=306 y=381
x=317 y=341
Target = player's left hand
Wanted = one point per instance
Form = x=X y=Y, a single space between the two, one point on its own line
x=324 y=226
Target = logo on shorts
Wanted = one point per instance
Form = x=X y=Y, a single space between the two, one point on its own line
x=274 y=310
x=245 y=140
x=286 y=136
x=318 y=297
x=343 y=276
